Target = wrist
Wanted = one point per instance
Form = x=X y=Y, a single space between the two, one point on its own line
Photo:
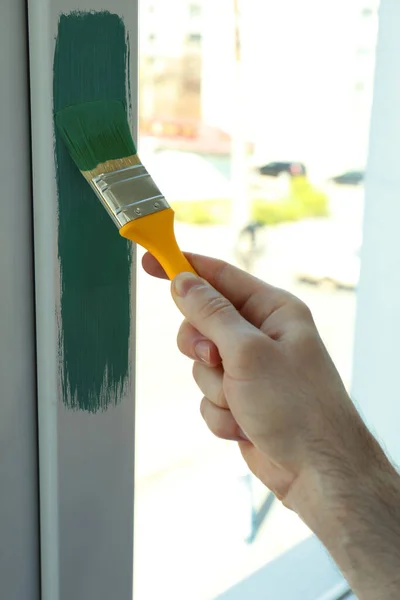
x=330 y=499
x=342 y=461
x=354 y=509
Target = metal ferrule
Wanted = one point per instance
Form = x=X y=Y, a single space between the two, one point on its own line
x=128 y=194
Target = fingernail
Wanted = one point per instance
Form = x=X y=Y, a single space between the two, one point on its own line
x=203 y=351
x=184 y=282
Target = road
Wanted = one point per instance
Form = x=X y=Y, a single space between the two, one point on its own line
x=192 y=509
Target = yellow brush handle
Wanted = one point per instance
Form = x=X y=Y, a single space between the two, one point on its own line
x=155 y=232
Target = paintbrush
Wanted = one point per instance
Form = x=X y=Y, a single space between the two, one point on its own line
x=99 y=140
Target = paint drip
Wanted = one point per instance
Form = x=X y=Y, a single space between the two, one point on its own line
x=91 y=63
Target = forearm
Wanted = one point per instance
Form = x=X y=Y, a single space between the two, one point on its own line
x=356 y=515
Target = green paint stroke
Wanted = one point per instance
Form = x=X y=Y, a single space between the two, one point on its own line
x=90 y=63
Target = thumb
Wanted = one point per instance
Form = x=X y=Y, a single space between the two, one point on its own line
x=209 y=312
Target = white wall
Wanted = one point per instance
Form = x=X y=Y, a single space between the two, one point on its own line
x=377 y=343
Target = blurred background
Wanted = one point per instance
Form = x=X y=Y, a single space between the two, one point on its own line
x=254 y=122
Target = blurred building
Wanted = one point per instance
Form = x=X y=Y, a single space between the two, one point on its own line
x=170 y=65
x=307 y=76
x=308 y=72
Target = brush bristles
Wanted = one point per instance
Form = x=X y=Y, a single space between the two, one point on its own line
x=97 y=133
x=112 y=165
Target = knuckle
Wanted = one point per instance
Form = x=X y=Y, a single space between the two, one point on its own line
x=218 y=429
x=309 y=341
x=220 y=399
x=219 y=422
x=303 y=311
x=202 y=406
x=216 y=305
x=249 y=349
x=204 y=410
x=186 y=339
x=216 y=425
x=197 y=367
x=181 y=337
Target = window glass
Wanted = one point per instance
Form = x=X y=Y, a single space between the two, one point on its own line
x=254 y=122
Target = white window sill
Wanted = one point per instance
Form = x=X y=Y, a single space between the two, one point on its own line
x=304 y=573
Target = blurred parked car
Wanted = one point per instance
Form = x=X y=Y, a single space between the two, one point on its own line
x=275 y=169
x=349 y=178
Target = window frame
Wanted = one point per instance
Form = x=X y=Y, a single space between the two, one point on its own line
x=19 y=502
x=86 y=503
x=17 y=268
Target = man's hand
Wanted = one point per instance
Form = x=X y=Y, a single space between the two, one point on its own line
x=269 y=384
x=264 y=373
